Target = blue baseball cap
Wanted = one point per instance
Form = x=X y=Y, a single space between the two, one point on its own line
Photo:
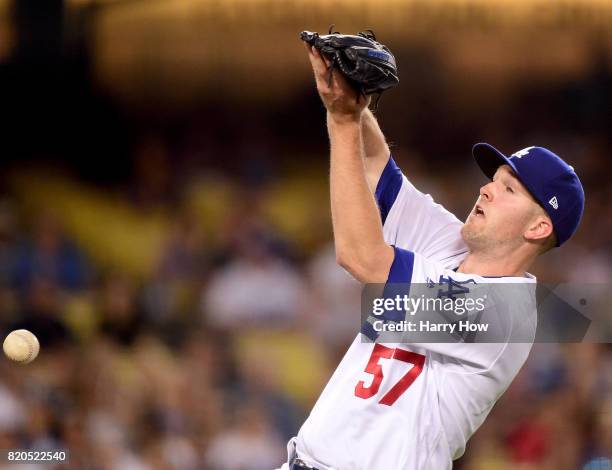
x=551 y=181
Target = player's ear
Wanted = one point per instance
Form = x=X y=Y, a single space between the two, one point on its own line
x=540 y=228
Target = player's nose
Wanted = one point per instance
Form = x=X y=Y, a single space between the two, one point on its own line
x=486 y=192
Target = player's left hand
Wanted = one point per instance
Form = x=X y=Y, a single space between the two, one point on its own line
x=341 y=100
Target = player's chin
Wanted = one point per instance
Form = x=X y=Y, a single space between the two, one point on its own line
x=474 y=220
x=472 y=230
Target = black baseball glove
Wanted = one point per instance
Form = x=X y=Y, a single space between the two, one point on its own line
x=367 y=64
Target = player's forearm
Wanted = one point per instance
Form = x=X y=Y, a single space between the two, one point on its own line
x=375 y=147
x=358 y=235
x=374 y=143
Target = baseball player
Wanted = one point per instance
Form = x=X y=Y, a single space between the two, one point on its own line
x=414 y=406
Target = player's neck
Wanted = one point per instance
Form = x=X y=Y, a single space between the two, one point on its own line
x=495 y=264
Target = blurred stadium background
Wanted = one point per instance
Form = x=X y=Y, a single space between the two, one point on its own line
x=164 y=224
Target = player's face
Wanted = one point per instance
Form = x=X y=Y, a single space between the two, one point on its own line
x=502 y=213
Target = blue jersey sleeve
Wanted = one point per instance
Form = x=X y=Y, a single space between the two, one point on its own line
x=388 y=188
x=401 y=268
x=398 y=283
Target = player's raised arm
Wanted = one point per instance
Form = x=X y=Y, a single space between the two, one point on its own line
x=358 y=235
x=377 y=151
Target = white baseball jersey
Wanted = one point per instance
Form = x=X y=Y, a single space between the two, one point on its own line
x=412 y=406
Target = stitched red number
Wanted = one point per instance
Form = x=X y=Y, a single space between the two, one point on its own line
x=417 y=361
x=375 y=369
x=382 y=352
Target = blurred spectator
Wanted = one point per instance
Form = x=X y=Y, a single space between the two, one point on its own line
x=173 y=453
x=121 y=317
x=173 y=294
x=255 y=288
x=248 y=443
x=12 y=412
x=185 y=255
x=50 y=256
x=334 y=315
x=529 y=442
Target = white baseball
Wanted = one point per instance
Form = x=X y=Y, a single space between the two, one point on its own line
x=21 y=346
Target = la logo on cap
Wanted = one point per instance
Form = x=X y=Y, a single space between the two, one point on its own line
x=522 y=153
x=553 y=202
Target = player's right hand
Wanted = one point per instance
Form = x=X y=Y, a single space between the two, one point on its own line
x=341 y=100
